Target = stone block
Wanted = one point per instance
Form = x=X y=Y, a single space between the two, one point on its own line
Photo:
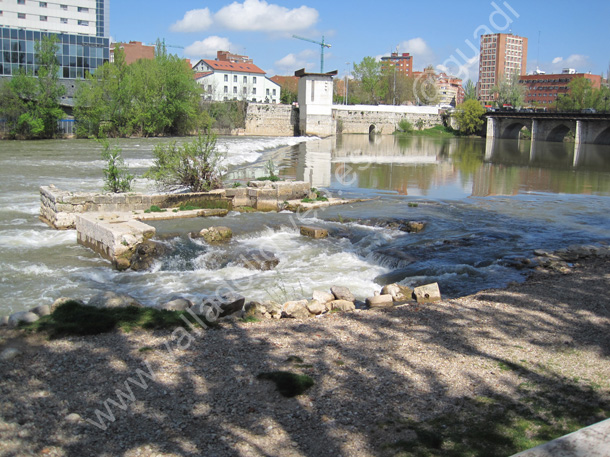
x=341 y=305
x=314 y=232
x=428 y=293
x=380 y=301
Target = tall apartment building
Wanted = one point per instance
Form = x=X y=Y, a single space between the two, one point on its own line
x=402 y=63
x=81 y=27
x=502 y=55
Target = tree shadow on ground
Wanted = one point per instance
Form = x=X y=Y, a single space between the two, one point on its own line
x=481 y=376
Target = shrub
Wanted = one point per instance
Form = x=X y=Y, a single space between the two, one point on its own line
x=405 y=126
x=196 y=166
x=117 y=178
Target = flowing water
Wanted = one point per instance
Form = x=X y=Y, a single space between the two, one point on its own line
x=484 y=203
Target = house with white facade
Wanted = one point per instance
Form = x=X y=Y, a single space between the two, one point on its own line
x=236 y=78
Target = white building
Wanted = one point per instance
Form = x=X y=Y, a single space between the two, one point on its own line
x=224 y=80
x=81 y=27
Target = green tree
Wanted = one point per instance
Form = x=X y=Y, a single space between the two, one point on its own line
x=148 y=97
x=509 y=91
x=581 y=94
x=469 y=116
x=470 y=91
x=197 y=166
x=116 y=177
x=30 y=104
x=373 y=86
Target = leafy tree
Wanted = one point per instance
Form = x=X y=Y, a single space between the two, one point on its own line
x=581 y=94
x=470 y=91
x=196 y=166
x=509 y=91
x=30 y=104
x=117 y=178
x=373 y=86
x=148 y=97
x=469 y=116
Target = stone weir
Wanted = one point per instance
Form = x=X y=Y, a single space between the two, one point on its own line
x=113 y=225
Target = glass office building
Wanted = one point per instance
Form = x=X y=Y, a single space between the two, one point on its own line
x=81 y=28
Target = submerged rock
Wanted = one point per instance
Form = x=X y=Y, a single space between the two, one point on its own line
x=258 y=259
x=176 y=304
x=216 y=234
x=146 y=254
x=398 y=292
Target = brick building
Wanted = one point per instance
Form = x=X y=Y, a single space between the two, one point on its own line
x=543 y=89
x=403 y=63
x=502 y=55
x=134 y=51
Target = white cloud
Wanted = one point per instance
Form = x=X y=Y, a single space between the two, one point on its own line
x=423 y=55
x=580 y=62
x=193 y=21
x=292 y=62
x=208 y=47
x=251 y=15
x=258 y=15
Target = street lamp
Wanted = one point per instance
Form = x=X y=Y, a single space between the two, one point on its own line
x=347 y=81
x=606 y=102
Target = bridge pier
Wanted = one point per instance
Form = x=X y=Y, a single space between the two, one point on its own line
x=492 y=127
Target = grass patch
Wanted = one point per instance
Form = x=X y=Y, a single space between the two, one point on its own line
x=155 y=209
x=438 y=131
x=72 y=318
x=288 y=384
x=500 y=426
x=245 y=209
x=413 y=205
x=269 y=178
x=250 y=319
x=146 y=349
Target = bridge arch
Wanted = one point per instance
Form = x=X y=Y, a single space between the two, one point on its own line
x=603 y=137
x=511 y=131
x=558 y=133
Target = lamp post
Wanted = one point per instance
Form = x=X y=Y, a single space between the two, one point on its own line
x=347 y=81
x=606 y=102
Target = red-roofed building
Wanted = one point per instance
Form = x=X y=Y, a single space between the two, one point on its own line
x=233 y=77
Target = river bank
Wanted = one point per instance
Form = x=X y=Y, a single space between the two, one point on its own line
x=498 y=371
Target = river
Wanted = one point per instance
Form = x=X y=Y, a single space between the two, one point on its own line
x=484 y=204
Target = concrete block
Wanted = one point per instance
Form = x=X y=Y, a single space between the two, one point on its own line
x=428 y=293
x=314 y=232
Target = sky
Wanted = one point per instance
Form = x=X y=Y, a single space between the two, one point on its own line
x=444 y=34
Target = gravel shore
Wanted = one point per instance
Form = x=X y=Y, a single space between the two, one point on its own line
x=197 y=394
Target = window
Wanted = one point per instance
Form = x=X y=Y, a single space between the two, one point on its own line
x=234 y=78
x=63 y=20
x=82 y=9
x=64 y=7
x=245 y=80
x=20 y=2
x=245 y=90
x=209 y=88
x=254 y=80
x=21 y=15
x=85 y=23
x=226 y=89
x=273 y=91
x=226 y=78
x=43 y=18
x=234 y=89
x=43 y=4
x=254 y=90
x=267 y=91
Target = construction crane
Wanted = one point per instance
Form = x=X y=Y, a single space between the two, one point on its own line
x=322 y=46
x=171 y=45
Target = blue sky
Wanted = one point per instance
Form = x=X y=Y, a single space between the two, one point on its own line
x=561 y=33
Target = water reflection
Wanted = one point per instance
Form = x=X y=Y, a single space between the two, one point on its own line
x=451 y=168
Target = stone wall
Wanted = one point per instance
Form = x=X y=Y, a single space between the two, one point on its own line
x=58 y=207
x=382 y=119
x=271 y=120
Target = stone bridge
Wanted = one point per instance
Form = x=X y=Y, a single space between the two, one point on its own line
x=590 y=128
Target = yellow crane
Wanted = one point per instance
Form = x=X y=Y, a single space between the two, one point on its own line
x=322 y=46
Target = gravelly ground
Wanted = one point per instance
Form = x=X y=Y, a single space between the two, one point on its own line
x=369 y=367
